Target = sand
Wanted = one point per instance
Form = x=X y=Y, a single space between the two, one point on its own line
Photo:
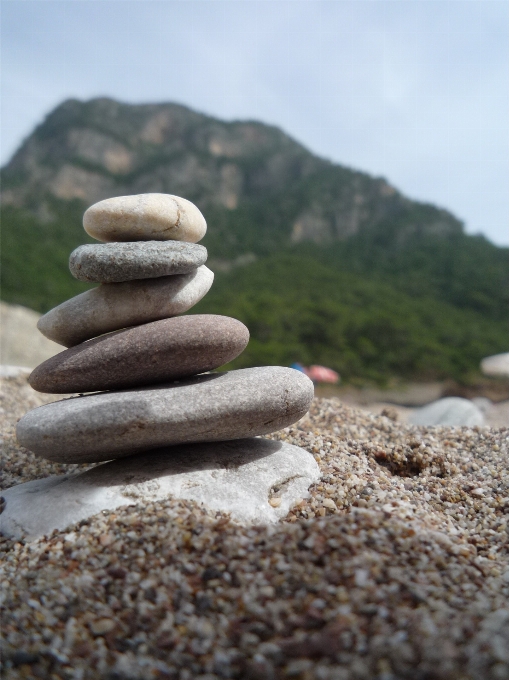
x=395 y=567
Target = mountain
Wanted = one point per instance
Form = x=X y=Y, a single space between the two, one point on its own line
x=263 y=194
x=88 y=151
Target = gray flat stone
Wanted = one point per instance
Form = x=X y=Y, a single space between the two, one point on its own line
x=211 y=407
x=145 y=217
x=117 y=262
x=238 y=477
x=156 y=352
x=451 y=411
x=112 y=306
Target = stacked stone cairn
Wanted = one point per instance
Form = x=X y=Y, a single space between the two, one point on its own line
x=149 y=369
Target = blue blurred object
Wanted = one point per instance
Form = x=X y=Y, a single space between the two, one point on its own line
x=298 y=367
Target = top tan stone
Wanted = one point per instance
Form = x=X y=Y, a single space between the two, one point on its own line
x=145 y=217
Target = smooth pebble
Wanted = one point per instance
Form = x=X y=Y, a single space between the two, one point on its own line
x=145 y=217
x=211 y=407
x=152 y=353
x=117 y=262
x=112 y=306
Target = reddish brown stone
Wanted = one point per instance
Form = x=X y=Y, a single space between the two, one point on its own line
x=143 y=355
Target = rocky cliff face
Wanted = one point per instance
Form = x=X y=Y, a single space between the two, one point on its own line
x=87 y=151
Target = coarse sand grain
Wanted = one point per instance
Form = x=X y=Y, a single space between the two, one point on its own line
x=396 y=566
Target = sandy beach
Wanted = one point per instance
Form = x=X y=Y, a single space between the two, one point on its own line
x=396 y=566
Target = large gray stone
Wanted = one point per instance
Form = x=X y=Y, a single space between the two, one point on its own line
x=144 y=355
x=256 y=480
x=117 y=262
x=211 y=407
x=112 y=306
x=452 y=411
x=145 y=217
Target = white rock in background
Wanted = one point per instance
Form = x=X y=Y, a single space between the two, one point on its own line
x=239 y=477
x=496 y=365
x=452 y=411
x=21 y=344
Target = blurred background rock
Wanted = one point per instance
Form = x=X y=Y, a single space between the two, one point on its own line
x=21 y=344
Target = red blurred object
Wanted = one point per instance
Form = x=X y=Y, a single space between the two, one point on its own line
x=322 y=374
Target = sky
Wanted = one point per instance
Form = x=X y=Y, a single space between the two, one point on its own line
x=416 y=91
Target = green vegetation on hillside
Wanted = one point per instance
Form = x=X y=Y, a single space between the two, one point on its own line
x=35 y=270
x=300 y=310
x=371 y=307
x=468 y=272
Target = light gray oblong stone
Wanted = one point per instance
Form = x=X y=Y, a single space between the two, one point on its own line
x=112 y=306
x=450 y=411
x=117 y=262
x=145 y=217
x=210 y=407
x=238 y=477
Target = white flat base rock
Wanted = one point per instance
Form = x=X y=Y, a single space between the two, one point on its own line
x=256 y=480
x=206 y=408
x=451 y=411
x=112 y=306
